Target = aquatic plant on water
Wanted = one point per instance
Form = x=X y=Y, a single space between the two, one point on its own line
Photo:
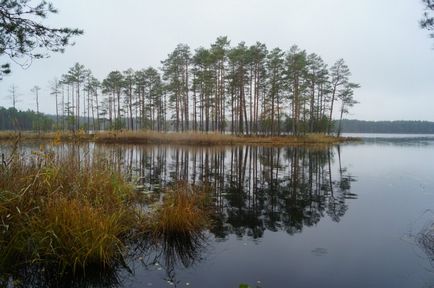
x=178 y=223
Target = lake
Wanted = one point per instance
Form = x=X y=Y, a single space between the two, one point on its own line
x=346 y=216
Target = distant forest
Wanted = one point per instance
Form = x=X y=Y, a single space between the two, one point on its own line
x=12 y=119
x=405 y=127
x=221 y=88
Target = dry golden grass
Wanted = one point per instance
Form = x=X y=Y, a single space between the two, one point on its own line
x=177 y=226
x=74 y=214
x=184 y=212
x=182 y=138
x=193 y=138
x=64 y=136
x=78 y=233
x=63 y=212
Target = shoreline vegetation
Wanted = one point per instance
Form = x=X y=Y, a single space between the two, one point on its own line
x=178 y=138
x=242 y=88
x=72 y=217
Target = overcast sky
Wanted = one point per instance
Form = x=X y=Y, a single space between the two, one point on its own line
x=387 y=52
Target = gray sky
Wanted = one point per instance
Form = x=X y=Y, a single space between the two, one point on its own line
x=387 y=52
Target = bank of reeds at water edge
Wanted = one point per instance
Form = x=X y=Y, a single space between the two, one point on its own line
x=181 y=138
x=74 y=214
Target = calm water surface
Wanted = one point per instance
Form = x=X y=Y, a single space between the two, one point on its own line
x=290 y=217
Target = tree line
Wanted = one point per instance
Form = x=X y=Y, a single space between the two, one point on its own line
x=13 y=119
x=408 y=127
x=242 y=90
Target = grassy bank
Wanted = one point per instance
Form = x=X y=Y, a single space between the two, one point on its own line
x=74 y=215
x=186 y=138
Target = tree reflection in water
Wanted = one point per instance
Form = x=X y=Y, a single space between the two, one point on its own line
x=171 y=251
x=43 y=275
x=254 y=188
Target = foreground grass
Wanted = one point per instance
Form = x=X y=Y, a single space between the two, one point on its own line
x=74 y=215
x=185 y=138
x=63 y=212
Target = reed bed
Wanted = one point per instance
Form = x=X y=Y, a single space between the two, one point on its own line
x=63 y=212
x=74 y=214
x=182 y=138
x=193 y=138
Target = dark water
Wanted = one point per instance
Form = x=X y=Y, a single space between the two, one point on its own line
x=346 y=216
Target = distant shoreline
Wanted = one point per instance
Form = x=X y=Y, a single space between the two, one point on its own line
x=387 y=127
x=186 y=138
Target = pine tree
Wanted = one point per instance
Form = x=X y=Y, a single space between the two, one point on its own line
x=23 y=35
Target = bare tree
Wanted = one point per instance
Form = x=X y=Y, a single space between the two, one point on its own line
x=36 y=90
x=13 y=95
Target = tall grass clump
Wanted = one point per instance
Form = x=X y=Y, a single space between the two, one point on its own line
x=66 y=213
x=183 y=211
x=178 y=224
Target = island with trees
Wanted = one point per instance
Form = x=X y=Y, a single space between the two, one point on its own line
x=241 y=90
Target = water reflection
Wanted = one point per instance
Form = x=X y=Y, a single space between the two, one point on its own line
x=255 y=189
x=41 y=275
x=169 y=253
